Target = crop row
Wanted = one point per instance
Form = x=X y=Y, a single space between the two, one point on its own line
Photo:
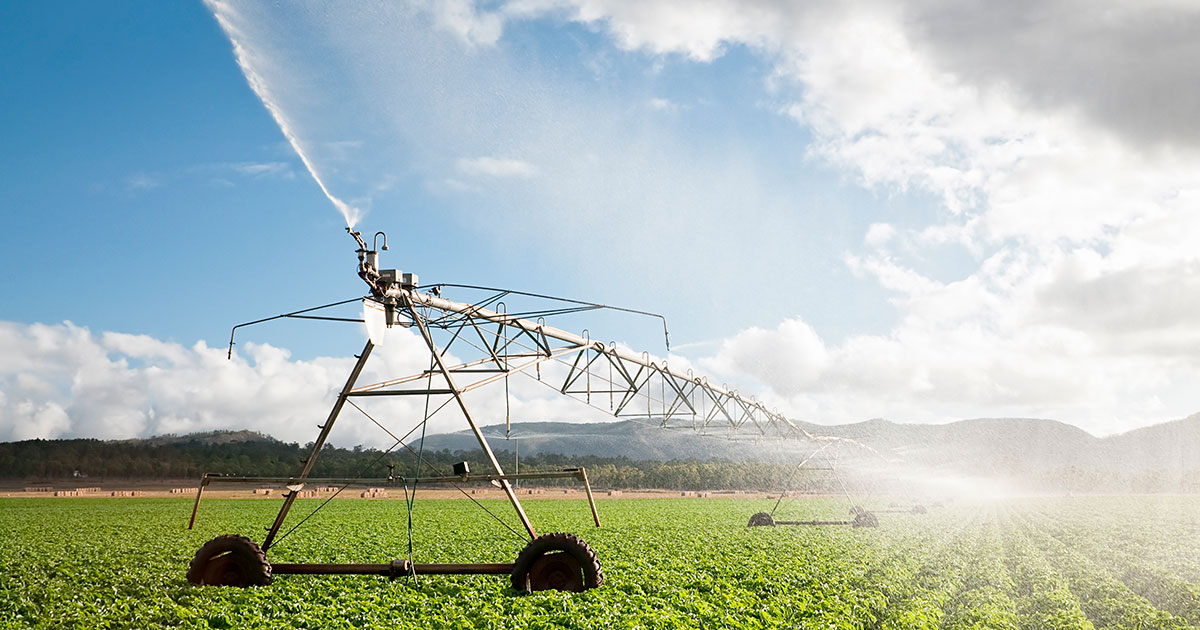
x=1105 y=599
x=984 y=596
x=1161 y=531
x=1043 y=598
x=668 y=563
x=1129 y=564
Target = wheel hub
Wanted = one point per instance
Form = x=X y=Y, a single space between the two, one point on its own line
x=558 y=571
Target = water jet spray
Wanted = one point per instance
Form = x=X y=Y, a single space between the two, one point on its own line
x=224 y=14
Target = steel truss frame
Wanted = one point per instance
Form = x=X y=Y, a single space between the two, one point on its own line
x=495 y=345
x=487 y=346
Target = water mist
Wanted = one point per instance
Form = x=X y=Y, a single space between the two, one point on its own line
x=226 y=17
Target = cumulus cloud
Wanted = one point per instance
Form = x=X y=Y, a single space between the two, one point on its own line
x=1058 y=337
x=64 y=381
x=1130 y=68
x=1142 y=309
x=788 y=359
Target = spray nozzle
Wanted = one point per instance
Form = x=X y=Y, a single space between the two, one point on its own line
x=362 y=245
x=384 y=283
x=367 y=268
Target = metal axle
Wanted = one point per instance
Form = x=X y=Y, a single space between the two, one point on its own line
x=814 y=522
x=394 y=569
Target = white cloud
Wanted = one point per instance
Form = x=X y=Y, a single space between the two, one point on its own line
x=466 y=21
x=496 y=167
x=698 y=31
x=62 y=381
x=879 y=234
x=1060 y=337
x=788 y=359
x=1129 y=68
x=1041 y=137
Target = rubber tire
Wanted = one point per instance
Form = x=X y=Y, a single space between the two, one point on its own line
x=554 y=543
x=866 y=518
x=761 y=519
x=230 y=560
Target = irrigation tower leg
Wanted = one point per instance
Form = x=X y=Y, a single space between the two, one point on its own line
x=462 y=404
x=309 y=462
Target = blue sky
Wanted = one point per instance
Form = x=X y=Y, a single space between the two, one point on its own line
x=855 y=209
x=134 y=204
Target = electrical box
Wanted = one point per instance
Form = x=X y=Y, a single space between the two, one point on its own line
x=462 y=469
x=406 y=281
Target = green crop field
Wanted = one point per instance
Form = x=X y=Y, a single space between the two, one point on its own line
x=1129 y=562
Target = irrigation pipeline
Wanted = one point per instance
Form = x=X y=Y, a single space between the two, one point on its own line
x=582 y=305
x=611 y=385
x=459 y=313
x=629 y=365
x=536 y=343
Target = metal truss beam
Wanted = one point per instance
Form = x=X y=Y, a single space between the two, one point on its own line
x=637 y=385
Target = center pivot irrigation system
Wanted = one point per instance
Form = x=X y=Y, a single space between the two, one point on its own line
x=861 y=516
x=472 y=345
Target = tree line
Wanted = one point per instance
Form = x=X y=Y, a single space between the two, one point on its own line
x=36 y=461
x=177 y=458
